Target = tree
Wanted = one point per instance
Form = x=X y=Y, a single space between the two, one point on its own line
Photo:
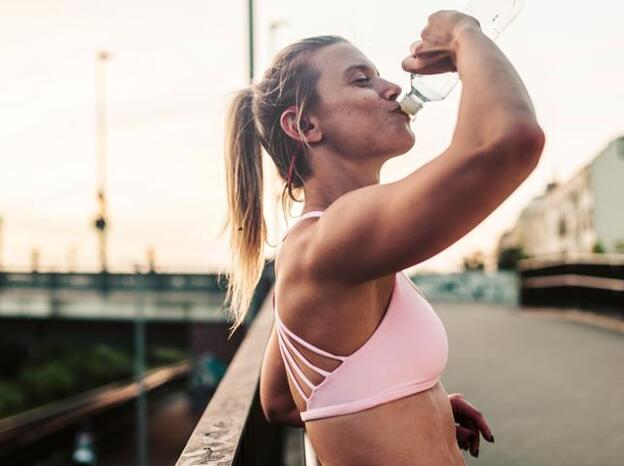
x=598 y=248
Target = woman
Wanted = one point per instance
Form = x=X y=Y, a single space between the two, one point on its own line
x=356 y=354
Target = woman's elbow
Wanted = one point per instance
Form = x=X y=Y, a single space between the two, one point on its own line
x=272 y=409
x=525 y=140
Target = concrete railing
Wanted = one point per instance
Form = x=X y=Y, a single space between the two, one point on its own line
x=233 y=431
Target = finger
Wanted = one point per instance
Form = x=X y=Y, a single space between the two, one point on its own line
x=469 y=411
x=415 y=46
x=474 y=444
x=465 y=437
x=481 y=425
x=427 y=66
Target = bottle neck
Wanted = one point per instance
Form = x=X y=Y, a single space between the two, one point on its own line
x=412 y=103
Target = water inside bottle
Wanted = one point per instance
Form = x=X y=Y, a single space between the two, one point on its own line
x=433 y=87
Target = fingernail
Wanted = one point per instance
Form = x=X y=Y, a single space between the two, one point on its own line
x=492 y=438
x=477 y=452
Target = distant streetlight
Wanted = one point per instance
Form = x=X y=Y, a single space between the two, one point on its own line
x=1 y=231
x=251 y=40
x=101 y=220
x=72 y=250
x=139 y=368
x=34 y=260
x=274 y=25
x=151 y=259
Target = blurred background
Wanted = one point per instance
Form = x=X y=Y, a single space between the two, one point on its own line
x=112 y=326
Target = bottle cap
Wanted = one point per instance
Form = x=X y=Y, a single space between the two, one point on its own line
x=409 y=105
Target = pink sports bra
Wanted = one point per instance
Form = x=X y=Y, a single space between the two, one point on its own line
x=406 y=354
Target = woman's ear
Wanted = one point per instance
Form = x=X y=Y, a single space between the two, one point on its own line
x=309 y=126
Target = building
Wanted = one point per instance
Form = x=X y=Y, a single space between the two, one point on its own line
x=584 y=214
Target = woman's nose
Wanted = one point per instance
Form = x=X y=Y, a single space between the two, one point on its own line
x=392 y=91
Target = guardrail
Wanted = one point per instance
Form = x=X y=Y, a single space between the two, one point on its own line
x=151 y=281
x=19 y=431
x=593 y=281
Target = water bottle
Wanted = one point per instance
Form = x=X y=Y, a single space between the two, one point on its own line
x=493 y=16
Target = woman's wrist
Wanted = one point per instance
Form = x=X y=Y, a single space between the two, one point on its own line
x=464 y=33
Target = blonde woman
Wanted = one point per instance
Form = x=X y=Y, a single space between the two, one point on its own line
x=356 y=353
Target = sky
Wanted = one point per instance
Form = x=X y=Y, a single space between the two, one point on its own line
x=174 y=67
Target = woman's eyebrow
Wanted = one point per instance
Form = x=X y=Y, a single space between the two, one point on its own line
x=361 y=67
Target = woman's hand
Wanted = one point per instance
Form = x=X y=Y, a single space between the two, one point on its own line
x=469 y=421
x=435 y=53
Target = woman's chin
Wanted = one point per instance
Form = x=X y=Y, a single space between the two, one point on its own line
x=406 y=145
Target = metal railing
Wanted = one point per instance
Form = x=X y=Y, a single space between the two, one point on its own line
x=594 y=281
x=112 y=281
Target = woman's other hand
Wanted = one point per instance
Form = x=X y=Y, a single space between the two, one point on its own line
x=469 y=422
x=435 y=53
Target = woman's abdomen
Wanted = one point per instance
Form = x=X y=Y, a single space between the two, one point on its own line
x=410 y=431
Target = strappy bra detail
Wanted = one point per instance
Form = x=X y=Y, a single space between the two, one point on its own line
x=312 y=213
x=405 y=354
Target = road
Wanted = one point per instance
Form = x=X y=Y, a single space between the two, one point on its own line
x=550 y=389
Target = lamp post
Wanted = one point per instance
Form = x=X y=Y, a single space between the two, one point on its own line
x=1 y=244
x=100 y=134
x=139 y=368
x=275 y=180
x=251 y=39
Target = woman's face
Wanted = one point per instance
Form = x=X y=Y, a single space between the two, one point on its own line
x=356 y=107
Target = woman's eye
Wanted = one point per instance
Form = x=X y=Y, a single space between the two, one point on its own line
x=363 y=80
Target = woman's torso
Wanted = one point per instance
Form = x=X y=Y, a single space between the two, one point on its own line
x=415 y=430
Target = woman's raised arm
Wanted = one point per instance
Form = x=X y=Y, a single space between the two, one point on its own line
x=380 y=229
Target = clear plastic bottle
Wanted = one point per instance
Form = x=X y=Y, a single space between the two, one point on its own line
x=493 y=16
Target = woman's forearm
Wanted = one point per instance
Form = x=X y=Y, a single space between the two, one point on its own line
x=494 y=100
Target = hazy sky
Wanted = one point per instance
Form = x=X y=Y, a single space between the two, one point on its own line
x=173 y=67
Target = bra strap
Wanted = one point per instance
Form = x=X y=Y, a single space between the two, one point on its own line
x=304 y=343
x=312 y=213
x=318 y=370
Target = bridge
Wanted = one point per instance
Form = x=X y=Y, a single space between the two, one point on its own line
x=547 y=379
x=106 y=296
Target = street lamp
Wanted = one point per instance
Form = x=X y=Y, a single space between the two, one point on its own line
x=100 y=222
x=1 y=244
x=275 y=184
x=250 y=23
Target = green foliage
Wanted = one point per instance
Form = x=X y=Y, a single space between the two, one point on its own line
x=598 y=248
x=12 y=400
x=162 y=355
x=619 y=246
x=53 y=373
x=46 y=382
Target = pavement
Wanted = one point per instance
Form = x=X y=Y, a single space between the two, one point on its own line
x=549 y=383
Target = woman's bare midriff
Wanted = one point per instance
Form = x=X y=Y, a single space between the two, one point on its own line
x=416 y=430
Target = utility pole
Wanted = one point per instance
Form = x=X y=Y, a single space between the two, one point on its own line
x=276 y=184
x=151 y=260
x=251 y=40
x=34 y=260
x=139 y=368
x=1 y=231
x=71 y=257
x=100 y=126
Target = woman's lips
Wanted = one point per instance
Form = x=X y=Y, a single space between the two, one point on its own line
x=400 y=111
